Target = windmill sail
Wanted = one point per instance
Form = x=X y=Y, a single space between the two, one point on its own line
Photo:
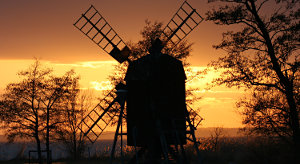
x=94 y=26
x=96 y=121
x=192 y=122
x=182 y=23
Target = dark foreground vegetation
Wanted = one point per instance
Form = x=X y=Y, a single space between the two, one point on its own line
x=247 y=150
x=214 y=150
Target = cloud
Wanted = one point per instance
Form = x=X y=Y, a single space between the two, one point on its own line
x=89 y=64
x=102 y=85
x=219 y=91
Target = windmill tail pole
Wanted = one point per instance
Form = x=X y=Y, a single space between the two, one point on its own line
x=121 y=92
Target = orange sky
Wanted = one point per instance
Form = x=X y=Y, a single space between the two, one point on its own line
x=44 y=29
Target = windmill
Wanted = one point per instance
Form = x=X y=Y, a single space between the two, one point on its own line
x=169 y=132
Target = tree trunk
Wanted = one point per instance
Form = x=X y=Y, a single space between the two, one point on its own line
x=47 y=139
x=294 y=117
x=38 y=143
x=74 y=145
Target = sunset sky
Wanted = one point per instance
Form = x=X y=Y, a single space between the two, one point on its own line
x=44 y=29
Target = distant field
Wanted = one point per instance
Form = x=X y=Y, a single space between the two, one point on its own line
x=228 y=132
x=21 y=147
x=200 y=132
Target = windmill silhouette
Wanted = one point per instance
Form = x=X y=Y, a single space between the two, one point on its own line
x=158 y=120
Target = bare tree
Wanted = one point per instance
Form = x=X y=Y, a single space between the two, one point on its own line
x=25 y=105
x=262 y=56
x=74 y=109
x=216 y=137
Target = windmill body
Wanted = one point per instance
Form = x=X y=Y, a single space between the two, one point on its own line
x=156 y=93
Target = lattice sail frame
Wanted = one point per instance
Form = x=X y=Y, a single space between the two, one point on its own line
x=185 y=20
x=95 y=27
x=97 y=120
